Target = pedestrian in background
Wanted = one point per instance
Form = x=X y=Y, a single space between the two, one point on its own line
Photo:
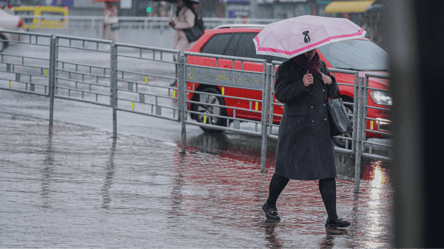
x=305 y=148
x=184 y=19
x=110 y=17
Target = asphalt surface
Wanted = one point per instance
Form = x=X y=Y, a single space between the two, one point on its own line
x=81 y=188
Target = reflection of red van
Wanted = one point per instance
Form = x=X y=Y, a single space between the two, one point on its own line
x=361 y=55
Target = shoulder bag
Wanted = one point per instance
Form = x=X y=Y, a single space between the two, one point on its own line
x=113 y=21
x=338 y=118
x=196 y=31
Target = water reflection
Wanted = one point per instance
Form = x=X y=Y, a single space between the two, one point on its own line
x=176 y=192
x=47 y=173
x=210 y=142
x=328 y=240
x=270 y=234
x=108 y=181
x=236 y=146
x=375 y=195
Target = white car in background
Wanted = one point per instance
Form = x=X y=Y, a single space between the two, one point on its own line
x=10 y=23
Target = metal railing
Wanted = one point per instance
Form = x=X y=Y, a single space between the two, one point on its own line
x=136 y=79
x=130 y=22
x=213 y=109
x=23 y=73
x=375 y=126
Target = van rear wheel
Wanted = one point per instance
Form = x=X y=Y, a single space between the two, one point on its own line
x=205 y=110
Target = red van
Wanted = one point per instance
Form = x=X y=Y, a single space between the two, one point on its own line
x=361 y=55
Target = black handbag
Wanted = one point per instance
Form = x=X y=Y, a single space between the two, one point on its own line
x=196 y=31
x=338 y=118
x=115 y=26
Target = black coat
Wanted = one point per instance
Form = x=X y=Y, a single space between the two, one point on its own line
x=305 y=148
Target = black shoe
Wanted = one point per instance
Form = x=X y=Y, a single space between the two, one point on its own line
x=271 y=213
x=335 y=223
x=173 y=84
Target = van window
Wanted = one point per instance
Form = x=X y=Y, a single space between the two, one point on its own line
x=245 y=47
x=217 y=44
x=231 y=48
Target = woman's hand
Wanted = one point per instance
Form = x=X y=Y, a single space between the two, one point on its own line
x=308 y=79
x=327 y=80
x=171 y=23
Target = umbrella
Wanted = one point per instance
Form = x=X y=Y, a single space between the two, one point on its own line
x=292 y=37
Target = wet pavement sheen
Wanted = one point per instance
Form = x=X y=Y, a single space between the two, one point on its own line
x=81 y=188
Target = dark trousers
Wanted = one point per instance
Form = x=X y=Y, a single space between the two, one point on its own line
x=327 y=187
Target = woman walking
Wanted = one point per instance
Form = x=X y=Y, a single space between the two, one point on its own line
x=305 y=148
x=110 y=17
x=185 y=17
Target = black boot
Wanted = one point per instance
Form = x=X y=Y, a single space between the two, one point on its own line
x=270 y=213
x=335 y=223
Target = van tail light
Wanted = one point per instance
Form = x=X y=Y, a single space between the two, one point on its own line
x=20 y=24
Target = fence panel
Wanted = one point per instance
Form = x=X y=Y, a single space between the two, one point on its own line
x=225 y=93
x=144 y=78
x=21 y=72
x=214 y=88
x=83 y=77
x=379 y=126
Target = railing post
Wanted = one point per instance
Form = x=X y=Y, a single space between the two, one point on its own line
x=355 y=113
x=182 y=100
x=52 y=68
x=264 y=119
x=359 y=136
x=113 y=86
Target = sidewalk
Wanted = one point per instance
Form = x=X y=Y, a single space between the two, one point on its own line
x=81 y=188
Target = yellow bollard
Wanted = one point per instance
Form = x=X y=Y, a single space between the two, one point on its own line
x=9 y=84
x=46 y=72
x=223 y=90
x=205 y=119
x=132 y=105
x=146 y=80
x=174 y=93
x=257 y=106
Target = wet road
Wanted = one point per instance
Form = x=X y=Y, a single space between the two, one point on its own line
x=81 y=188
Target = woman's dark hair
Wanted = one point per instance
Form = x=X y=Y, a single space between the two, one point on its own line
x=189 y=5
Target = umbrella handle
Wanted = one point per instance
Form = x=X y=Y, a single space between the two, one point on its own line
x=310 y=87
